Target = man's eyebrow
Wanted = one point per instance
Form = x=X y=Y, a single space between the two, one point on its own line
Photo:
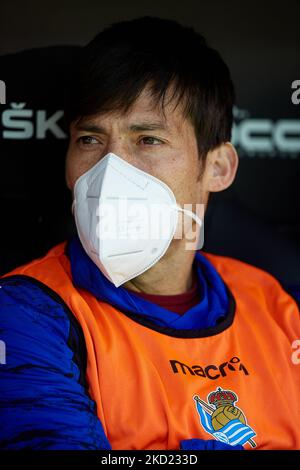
x=139 y=127
x=90 y=128
x=149 y=126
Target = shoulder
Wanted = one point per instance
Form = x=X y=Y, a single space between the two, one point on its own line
x=246 y=277
x=56 y=253
x=239 y=270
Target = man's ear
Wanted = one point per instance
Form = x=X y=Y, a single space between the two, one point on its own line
x=221 y=167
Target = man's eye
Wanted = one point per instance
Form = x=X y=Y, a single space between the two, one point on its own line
x=150 y=140
x=87 y=140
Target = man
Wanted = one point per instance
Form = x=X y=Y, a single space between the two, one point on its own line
x=118 y=339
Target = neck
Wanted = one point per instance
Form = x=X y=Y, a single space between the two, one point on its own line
x=171 y=275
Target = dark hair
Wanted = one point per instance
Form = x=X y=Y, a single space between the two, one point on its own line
x=113 y=69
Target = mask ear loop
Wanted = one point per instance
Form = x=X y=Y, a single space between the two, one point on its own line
x=191 y=214
x=73 y=206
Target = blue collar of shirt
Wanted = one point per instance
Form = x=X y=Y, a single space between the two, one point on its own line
x=213 y=304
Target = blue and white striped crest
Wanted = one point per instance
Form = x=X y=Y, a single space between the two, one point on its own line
x=233 y=433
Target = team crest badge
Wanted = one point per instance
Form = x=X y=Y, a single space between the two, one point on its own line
x=223 y=420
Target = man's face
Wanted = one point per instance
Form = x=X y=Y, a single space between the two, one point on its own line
x=164 y=146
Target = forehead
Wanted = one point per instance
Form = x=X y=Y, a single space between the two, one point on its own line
x=146 y=113
x=166 y=111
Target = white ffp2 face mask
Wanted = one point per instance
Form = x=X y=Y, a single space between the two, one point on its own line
x=125 y=218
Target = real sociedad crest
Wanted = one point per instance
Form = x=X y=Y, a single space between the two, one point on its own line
x=223 y=420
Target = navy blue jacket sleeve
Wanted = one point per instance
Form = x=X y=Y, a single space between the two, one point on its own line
x=44 y=402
